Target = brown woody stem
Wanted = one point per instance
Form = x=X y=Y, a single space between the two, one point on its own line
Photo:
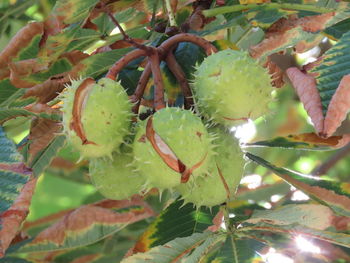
x=181 y=78
x=159 y=102
x=126 y=37
x=184 y=37
x=141 y=86
x=125 y=60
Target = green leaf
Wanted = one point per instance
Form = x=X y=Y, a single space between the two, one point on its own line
x=72 y=11
x=245 y=36
x=9 y=113
x=263 y=192
x=305 y=141
x=309 y=215
x=340 y=239
x=71 y=38
x=176 y=221
x=238 y=250
x=7 y=90
x=94 y=66
x=335 y=64
x=13 y=173
x=333 y=194
x=17 y=9
x=129 y=79
x=335 y=32
x=205 y=248
x=13 y=260
x=83 y=39
x=188 y=56
x=265 y=16
x=31 y=49
x=58 y=67
x=43 y=159
x=172 y=251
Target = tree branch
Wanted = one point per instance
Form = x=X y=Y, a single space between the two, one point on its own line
x=181 y=78
x=159 y=102
x=125 y=60
x=140 y=89
x=184 y=37
x=332 y=161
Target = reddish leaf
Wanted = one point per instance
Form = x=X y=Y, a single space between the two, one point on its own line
x=24 y=68
x=74 y=56
x=11 y=220
x=338 y=107
x=41 y=134
x=305 y=87
x=90 y=223
x=217 y=221
x=49 y=89
x=275 y=72
x=86 y=258
x=305 y=141
x=18 y=42
x=280 y=34
x=42 y=108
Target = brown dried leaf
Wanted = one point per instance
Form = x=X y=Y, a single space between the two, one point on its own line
x=24 y=68
x=86 y=258
x=74 y=56
x=304 y=45
x=338 y=107
x=42 y=108
x=276 y=73
x=282 y=31
x=316 y=23
x=53 y=25
x=49 y=89
x=19 y=41
x=12 y=219
x=41 y=134
x=124 y=44
x=217 y=221
x=305 y=87
x=86 y=217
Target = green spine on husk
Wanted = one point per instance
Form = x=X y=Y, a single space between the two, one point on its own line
x=210 y=189
x=185 y=134
x=231 y=87
x=116 y=179
x=106 y=116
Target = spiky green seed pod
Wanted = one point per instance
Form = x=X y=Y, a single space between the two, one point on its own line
x=116 y=179
x=101 y=113
x=177 y=139
x=212 y=189
x=231 y=87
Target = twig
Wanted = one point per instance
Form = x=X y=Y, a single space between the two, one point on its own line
x=159 y=102
x=125 y=60
x=181 y=78
x=333 y=160
x=288 y=6
x=184 y=37
x=140 y=89
x=126 y=37
x=170 y=12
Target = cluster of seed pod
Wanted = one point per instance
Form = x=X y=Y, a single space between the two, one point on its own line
x=187 y=151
